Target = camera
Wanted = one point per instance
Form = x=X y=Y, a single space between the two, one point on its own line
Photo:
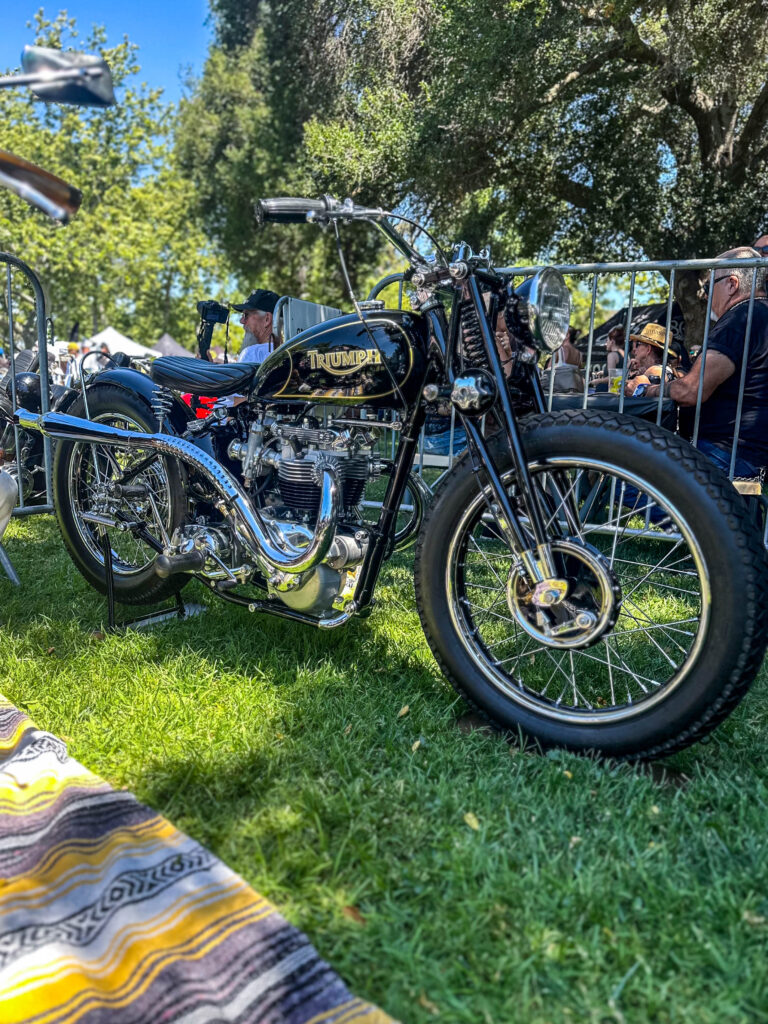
x=212 y=312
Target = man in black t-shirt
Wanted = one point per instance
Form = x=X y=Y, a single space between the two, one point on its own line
x=731 y=290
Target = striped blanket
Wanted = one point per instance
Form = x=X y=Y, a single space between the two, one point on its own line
x=109 y=914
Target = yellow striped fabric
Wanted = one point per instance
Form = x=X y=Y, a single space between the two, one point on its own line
x=110 y=915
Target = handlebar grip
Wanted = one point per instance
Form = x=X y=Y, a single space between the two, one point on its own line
x=286 y=210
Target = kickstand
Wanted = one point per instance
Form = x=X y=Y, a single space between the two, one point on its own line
x=179 y=611
x=106 y=550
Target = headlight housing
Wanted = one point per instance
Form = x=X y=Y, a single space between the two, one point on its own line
x=544 y=306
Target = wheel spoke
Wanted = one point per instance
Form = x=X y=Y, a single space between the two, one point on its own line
x=91 y=468
x=650 y=623
x=656 y=568
x=664 y=626
x=485 y=559
x=574 y=525
x=656 y=575
x=622 y=666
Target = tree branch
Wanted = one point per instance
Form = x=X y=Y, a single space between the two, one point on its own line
x=678 y=91
x=574 y=192
x=755 y=123
x=589 y=67
x=634 y=47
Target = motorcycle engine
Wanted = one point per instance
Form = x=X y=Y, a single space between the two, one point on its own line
x=296 y=455
x=303 y=450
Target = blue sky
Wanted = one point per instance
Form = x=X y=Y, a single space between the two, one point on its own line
x=172 y=35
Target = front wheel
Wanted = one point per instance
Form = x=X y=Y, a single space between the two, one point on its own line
x=662 y=625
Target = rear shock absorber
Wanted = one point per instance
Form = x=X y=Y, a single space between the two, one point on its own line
x=162 y=403
x=472 y=337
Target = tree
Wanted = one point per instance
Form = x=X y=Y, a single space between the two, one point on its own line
x=563 y=128
x=241 y=138
x=135 y=256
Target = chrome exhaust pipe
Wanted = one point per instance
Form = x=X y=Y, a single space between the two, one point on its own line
x=270 y=550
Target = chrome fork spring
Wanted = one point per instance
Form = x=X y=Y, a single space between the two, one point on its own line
x=162 y=402
x=472 y=336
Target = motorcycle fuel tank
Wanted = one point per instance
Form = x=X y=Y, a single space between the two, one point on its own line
x=345 y=362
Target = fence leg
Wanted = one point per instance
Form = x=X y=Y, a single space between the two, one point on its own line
x=7 y=566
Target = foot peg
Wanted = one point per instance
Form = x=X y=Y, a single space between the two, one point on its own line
x=171 y=565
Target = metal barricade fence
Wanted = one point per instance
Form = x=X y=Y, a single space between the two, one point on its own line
x=624 y=299
x=438 y=450
x=14 y=266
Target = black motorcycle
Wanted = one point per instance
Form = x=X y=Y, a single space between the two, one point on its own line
x=584 y=578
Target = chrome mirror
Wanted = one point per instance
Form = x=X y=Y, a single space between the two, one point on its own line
x=62 y=77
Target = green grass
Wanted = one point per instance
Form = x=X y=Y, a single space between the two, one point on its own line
x=590 y=892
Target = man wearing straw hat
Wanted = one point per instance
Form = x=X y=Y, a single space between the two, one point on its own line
x=720 y=380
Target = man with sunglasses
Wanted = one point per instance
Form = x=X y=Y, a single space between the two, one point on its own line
x=731 y=290
x=257 y=320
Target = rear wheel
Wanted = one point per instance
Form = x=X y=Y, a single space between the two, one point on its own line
x=82 y=475
x=663 y=623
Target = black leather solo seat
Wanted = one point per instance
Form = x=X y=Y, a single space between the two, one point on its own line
x=200 y=378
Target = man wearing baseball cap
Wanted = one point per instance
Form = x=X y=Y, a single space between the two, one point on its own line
x=257 y=320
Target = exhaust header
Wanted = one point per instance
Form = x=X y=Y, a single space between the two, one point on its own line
x=271 y=551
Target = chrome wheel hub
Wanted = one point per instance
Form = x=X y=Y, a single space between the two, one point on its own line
x=573 y=610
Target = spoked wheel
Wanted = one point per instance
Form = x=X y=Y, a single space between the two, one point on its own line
x=85 y=476
x=654 y=623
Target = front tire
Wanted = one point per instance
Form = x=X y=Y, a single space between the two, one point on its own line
x=636 y=513
x=79 y=470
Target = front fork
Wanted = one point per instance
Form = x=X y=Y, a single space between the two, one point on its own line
x=537 y=560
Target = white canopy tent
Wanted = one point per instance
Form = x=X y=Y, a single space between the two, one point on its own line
x=168 y=346
x=117 y=342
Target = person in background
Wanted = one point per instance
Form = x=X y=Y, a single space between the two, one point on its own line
x=258 y=321
x=647 y=360
x=69 y=364
x=568 y=353
x=731 y=290
x=614 y=346
x=614 y=361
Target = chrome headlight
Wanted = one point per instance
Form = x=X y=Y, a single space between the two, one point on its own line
x=544 y=306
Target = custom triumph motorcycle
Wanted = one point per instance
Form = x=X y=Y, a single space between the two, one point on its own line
x=583 y=578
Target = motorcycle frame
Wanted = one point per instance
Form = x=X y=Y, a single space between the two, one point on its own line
x=41 y=319
x=445 y=338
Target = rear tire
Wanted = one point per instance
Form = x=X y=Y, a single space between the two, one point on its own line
x=75 y=491
x=684 y=641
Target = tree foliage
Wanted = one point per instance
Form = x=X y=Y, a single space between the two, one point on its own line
x=619 y=129
x=135 y=256
x=241 y=138
x=555 y=128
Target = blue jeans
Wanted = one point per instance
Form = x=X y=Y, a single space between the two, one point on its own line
x=439 y=444
x=722 y=458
